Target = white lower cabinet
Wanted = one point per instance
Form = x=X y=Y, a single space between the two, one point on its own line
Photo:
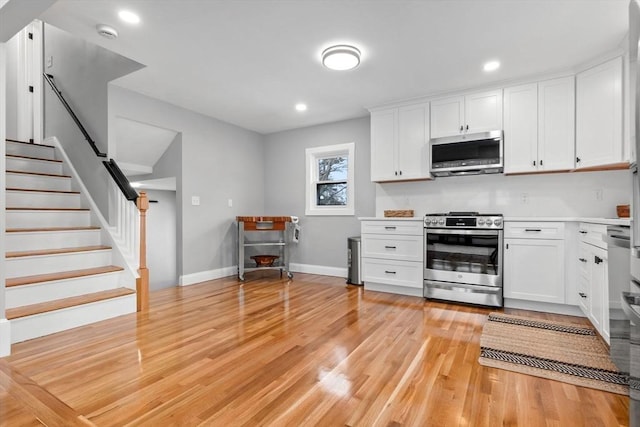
x=392 y=252
x=593 y=280
x=534 y=261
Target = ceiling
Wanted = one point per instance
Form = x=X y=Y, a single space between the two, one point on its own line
x=249 y=62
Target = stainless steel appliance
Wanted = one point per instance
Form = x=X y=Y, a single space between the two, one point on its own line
x=467 y=154
x=633 y=294
x=618 y=244
x=463 y=257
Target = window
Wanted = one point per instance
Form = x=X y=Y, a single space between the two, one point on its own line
x=330 y=173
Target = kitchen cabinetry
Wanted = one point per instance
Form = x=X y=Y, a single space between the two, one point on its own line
x=400 y=143
x=478 y=112
x=392 y=252
x=599 y=115
x=593 y=286
x=539 y=122
x=534 y=261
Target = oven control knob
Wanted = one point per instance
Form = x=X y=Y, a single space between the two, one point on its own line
x=497 y=221
x=489 y=222
x=480 y=221
x=441 y=221
x=427 y=221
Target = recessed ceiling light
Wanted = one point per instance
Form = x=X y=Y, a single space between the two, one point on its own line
x=128 y=17
x=341 y=57
x=491 y=65
x=301 y=107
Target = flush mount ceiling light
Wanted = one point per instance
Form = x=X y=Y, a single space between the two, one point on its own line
x=301 y=107
x=107 y=31
x=491 y=66
x=341 y=57
x=128 y=17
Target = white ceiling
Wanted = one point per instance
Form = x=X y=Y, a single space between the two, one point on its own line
x=139 y=145
x=248 y=62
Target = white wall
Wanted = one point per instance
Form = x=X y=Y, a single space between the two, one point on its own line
x=323 y=238
x=82 y=71
x=565 y=194
x=12 y=87
x=162 y=240
x=5 y=333
x=220 y=161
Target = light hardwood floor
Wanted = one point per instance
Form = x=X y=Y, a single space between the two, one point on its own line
x=312 y=351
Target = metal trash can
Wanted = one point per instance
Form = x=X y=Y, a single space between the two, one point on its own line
x=354 y=274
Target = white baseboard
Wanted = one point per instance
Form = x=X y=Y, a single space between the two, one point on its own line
x=318 y=269
x=545 y=307
x=5 y=338
x=203 y=276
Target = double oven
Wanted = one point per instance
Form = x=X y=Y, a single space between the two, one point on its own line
x=463 y=257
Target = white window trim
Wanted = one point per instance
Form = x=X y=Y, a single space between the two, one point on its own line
x=312 y=156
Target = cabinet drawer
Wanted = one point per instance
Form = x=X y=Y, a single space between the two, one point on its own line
x=398 y=273
x=404 y=248
x=414 y=228
x=534 y=230
x=594 y=234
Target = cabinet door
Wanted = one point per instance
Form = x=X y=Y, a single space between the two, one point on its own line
x=447 y=116
x=383 y=144
x=413 y=142
x=597 y=304
x=556 y=123
x=483 y=111
x=534 y=270
x=521 y=128
x=599 y=115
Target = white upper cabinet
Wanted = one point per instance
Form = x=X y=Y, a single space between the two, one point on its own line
x=599 y=115
x=478 y=112
x=539 y=126
x=400 y=143
x=521 y=129
x=556 y=124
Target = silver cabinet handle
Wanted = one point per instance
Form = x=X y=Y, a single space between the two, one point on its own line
x=389 y=272
x=533 y=230
x=389 y=228
x=389 y=247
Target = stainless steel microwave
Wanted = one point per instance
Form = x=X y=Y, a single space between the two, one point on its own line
x=470 y=154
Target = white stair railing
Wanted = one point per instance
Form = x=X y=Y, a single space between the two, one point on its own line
x=124 y=221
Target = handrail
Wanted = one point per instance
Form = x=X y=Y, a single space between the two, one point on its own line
x=112 y=167
x=92 y=143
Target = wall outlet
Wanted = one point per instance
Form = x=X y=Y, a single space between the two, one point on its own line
x=49 y=61
x=599 y=194
x=524 y=198
x=230 y=203
x=195 y=200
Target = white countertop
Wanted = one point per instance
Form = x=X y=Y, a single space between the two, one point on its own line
x=605 y=221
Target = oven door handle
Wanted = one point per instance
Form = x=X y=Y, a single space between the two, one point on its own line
x=465 y=232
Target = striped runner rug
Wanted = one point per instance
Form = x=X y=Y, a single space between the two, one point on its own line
x=559 y=351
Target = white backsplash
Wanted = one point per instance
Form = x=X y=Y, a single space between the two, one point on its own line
x=578 y=194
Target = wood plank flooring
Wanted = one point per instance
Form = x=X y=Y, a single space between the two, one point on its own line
x=269 y=352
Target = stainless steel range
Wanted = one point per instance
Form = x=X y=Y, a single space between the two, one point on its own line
x=463 y=257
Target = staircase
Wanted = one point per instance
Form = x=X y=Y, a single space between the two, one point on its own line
x=59 y=273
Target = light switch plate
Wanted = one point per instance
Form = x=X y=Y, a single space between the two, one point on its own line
x=195 y=200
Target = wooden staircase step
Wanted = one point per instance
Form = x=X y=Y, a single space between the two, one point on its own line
x=72 y=274
x=45 y=307
x=36 y=230
x=55 y=175
x=35 y=190
x=20 y=254
x=29 y=143
x=16 y=156
x=13 y=208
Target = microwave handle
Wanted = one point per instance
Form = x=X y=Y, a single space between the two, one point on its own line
x=467 y=172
